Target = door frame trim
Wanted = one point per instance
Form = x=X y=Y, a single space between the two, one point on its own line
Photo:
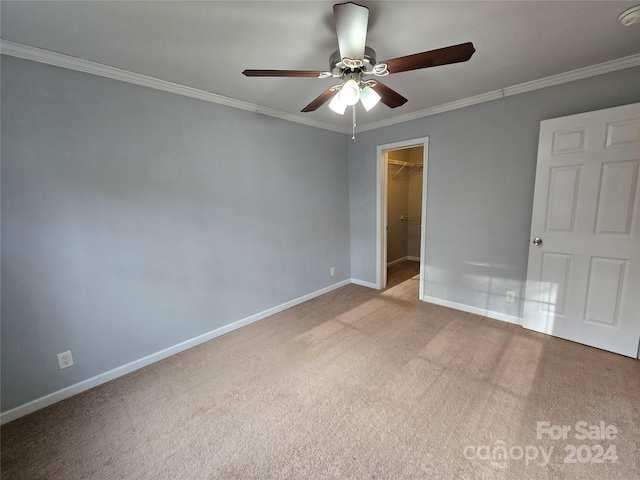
x=381 y=208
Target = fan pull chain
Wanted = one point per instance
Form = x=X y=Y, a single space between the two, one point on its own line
x=353 y=132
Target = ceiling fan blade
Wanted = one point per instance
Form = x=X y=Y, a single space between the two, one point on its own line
x=281 y=73
x=351 y=27
x=389 y=97
x=323 y=98
x=432 y=58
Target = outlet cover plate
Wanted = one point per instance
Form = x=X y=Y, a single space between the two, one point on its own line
x=65 y=360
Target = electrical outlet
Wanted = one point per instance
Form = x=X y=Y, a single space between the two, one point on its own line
x=65 y=359
x=511 y=296
x=333 y=271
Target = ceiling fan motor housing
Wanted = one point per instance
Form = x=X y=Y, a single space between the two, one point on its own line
x=341 y=66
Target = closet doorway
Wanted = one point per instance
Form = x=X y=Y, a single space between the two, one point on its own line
x=402 y=187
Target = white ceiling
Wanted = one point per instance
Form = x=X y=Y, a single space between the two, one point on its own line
x=207 y=44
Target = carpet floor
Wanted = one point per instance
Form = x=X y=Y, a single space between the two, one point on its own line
x=355 y=384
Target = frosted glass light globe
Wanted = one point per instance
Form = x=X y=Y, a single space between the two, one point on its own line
x=350 y=92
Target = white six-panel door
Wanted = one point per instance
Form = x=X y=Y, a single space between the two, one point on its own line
x=583 y=280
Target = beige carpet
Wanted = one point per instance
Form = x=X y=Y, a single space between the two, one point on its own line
x=355 y=384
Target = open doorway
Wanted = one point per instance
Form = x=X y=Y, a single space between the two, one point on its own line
x=402 y=187
x=404 y=213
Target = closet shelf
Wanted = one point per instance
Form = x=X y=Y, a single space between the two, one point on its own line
x=404 y=164
x=407 y=217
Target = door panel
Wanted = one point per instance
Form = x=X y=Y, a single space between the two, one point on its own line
x=606 y=283
x=556 y=271
x=583 y=280
x=617 y=198
x=563 y=195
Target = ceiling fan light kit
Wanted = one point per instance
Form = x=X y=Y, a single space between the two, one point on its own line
x=354 y=61
x=350 y=92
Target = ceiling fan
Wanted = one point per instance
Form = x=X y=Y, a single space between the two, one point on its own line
x=355 y=63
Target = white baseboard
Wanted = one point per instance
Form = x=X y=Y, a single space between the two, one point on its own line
x=362 y=283
x=478 y=311
x=84 y=385
x=395 y=262
x=403 y=259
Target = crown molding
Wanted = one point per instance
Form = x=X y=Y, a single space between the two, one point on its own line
x=73 y=63
x=465 y=102
x=593 y=70
x=272 y=112
x=580 y=73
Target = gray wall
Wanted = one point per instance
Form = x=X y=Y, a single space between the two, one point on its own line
x=481 y=175
x=134 y=219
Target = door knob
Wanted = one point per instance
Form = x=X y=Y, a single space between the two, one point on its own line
x=537 y=242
